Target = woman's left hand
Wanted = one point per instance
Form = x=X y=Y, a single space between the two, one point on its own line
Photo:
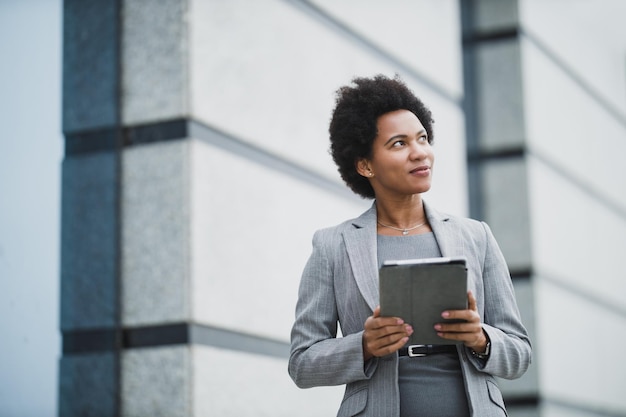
x=470 y=332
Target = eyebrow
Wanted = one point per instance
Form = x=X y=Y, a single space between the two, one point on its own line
x=403 y=136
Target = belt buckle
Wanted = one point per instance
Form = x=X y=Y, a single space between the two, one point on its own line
x=414 y=355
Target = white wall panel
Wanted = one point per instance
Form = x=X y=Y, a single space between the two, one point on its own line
x=251 y=236
x=571 y=369
x=576 y=238
x=408 y=33
x=588 y=37
x=275 y=87
x=232 y=384
x=571 y=131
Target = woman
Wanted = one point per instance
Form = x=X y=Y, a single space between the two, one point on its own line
x=381 y=137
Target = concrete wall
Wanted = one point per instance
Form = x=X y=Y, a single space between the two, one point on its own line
x=575 y=89
x=194 y=177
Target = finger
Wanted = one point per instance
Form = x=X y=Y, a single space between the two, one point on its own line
x=461 y=337
x=377 y=321
x=388 y=334
x=389 y=338
x=388 y=349
x=373 y=324
x=468 y=338
x=461 y=317
x=388 y=343
x=464 y=315
x=467 y=327
x=471 y=301
x=470 y=314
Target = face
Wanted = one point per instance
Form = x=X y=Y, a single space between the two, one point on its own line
x=402 y=159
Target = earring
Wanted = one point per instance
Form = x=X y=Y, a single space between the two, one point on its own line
x=371 y=173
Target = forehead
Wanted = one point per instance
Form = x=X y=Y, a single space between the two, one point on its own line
x=399 y=122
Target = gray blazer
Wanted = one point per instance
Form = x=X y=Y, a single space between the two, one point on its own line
x=339 y=286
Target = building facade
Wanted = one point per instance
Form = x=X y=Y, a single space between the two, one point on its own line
x=196 y=170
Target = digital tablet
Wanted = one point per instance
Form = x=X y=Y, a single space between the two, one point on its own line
x=419 y=290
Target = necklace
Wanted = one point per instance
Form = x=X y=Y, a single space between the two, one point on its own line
x=404 y=231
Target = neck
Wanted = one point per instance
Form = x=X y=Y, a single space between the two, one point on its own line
x=403 y=214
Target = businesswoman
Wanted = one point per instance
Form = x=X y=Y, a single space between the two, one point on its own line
x=381 y=136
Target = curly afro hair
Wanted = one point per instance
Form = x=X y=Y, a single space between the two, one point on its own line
x=353 y=126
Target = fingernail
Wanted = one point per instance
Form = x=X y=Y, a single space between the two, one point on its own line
x=400 y=321
x=437 y=326
x=445 y=314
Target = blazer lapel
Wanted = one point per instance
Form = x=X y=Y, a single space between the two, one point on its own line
x=446 y=236
x=360 y=244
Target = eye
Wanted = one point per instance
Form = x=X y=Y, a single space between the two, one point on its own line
x=423 y=138
x=398 y=144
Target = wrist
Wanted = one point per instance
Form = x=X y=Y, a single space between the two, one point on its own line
x=482 y=346
x=366 y=353
x=483 y=349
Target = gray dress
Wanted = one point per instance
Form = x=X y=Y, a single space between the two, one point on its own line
x=430 y=386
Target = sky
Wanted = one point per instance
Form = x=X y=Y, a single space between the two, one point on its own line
x=31 y=147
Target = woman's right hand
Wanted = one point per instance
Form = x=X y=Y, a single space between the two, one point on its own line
x=384 y=335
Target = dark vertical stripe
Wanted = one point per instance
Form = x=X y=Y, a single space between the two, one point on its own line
x=470 y=110
x=119 y=148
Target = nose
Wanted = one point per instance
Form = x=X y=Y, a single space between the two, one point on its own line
x=418 y=151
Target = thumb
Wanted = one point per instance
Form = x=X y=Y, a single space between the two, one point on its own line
x=471 y=301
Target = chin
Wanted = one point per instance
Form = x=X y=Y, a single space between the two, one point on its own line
x=421 y=190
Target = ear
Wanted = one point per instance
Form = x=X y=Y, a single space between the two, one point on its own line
x=362 y=167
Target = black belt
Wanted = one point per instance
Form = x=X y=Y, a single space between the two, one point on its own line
x=425 y=350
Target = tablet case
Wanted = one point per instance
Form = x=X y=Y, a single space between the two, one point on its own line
x=419 y=290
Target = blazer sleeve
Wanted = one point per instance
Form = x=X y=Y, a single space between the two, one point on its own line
x=318 y=357
x=510 y=353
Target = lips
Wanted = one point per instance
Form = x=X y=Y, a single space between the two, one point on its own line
x=421 y=170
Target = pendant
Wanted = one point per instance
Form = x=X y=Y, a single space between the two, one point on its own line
x=405 y=232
